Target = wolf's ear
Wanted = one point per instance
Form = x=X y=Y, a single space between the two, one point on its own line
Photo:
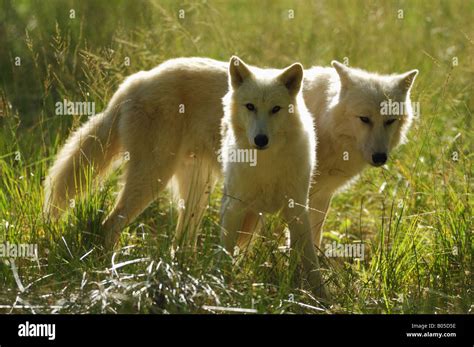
x=238 y=72
x=292 y=77
x=344 y=73
x=405 y=80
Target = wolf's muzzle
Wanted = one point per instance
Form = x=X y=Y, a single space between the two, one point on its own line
x=379 y=158
x=261 y=141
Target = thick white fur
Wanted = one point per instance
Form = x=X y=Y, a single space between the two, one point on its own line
x=281 y=178
x=166 y=121
x=143 y=118
x=337 y=97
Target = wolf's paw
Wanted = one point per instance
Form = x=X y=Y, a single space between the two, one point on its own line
x=318 y=288
x=110 y=239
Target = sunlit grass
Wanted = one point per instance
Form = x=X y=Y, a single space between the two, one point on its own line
x=414 y=216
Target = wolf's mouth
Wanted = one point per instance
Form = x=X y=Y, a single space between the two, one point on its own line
x=377 y=164
x=260 y=148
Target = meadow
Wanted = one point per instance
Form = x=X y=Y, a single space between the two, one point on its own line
x=414 y=215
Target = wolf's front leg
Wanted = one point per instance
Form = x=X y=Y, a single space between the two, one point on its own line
x=319 y=202
x=302 y=241
x=252 y=222
x=232 y=217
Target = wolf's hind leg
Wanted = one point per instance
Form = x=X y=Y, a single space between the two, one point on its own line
x=143 y=181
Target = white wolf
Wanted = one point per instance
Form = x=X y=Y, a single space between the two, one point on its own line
x=264 y=111
x=167 y=123
x=353 y=130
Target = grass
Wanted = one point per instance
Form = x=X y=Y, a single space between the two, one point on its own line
x=414 y=216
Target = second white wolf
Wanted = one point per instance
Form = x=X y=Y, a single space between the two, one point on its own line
x=265 y=112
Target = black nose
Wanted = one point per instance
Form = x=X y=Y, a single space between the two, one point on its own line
x=261 y=140
x=379 y=158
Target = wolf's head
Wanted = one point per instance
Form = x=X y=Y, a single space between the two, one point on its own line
x=262 y=102
x=374 y=109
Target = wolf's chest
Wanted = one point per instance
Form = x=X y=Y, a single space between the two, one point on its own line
x=269 y=185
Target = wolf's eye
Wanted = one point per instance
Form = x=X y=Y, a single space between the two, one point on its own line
x=276 y=109
x=390 y=121
x=365 y=119
x=250 y=107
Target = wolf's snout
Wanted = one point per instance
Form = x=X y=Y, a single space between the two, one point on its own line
x=379 y=158
x=261 y=141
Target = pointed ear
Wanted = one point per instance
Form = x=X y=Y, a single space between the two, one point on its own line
x=405 y=80
x=344 y=73
x=292 y=77
x=238 y=72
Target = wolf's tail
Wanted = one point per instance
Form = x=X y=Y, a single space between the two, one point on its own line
x=91 y=148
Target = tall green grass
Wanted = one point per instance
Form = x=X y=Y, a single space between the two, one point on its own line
x=414 y=216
